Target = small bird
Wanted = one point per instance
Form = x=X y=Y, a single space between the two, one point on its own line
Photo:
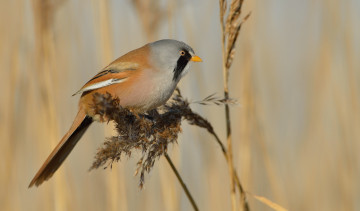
x=142 y=79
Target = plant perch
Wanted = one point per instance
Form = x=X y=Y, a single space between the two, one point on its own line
x=148 y=133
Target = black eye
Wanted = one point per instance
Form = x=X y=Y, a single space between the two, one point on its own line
x=182 y=53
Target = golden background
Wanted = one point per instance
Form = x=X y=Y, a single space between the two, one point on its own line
x=296 y=128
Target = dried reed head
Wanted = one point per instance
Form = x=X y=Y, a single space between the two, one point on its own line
x=149 y=133
x=215 y=100
x=231 y=25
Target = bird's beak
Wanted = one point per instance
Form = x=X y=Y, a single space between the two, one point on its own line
x=196 y=59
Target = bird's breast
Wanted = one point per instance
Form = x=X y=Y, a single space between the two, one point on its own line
x=146 y=91
x=141 y=92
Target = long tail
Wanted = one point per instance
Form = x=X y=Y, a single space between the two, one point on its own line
x=63 y=149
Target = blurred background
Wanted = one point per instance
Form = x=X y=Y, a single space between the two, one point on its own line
x=296 y=75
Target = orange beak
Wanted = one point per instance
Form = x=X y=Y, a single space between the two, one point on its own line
x=196 y=59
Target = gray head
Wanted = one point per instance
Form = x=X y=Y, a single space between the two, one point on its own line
x=173 y=55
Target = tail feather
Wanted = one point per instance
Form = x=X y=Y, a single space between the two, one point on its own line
x=63 y=149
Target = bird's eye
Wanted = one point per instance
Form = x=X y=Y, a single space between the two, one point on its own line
x=182 y=53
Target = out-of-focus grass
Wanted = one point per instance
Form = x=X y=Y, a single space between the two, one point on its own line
x=296 y=129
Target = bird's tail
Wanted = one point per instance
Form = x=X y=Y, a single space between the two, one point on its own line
x=63 y=149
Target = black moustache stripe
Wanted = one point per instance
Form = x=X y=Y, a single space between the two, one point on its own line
x=180 y=65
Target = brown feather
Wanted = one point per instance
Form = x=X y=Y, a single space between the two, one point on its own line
x=123 y=67
x=63 y=149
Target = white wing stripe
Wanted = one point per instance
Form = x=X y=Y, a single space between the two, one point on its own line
x=101 y=84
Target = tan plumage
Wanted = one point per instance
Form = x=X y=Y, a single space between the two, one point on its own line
x=142 y=79
x=62 y=150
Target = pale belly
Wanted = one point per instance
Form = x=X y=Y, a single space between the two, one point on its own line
x=145 y=96
x=138 y=95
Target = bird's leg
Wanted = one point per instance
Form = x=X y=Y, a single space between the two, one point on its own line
x=151 y=115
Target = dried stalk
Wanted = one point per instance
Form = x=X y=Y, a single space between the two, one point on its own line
x=230 y=26
x=236 y=177
x=183 y=185
x=149 y=133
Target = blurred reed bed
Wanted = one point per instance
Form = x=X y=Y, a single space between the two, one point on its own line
x=333 y=130
x=295 y=131
x=315 y=152
x=151 y=14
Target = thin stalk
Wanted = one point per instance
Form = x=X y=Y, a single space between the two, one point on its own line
x=230 y=27
x=227 y=116
x=236 y=177
x=187 y=192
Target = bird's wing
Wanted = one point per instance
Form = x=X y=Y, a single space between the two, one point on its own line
x=115 y=73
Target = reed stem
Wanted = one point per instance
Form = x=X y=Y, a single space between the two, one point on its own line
x=230 y=27
x=183 y=185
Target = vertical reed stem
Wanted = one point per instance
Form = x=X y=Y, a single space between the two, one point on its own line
x=227 y=111
x=228 y=134
x=230 y=26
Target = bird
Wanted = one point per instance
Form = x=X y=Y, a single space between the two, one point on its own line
x=143 y=79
